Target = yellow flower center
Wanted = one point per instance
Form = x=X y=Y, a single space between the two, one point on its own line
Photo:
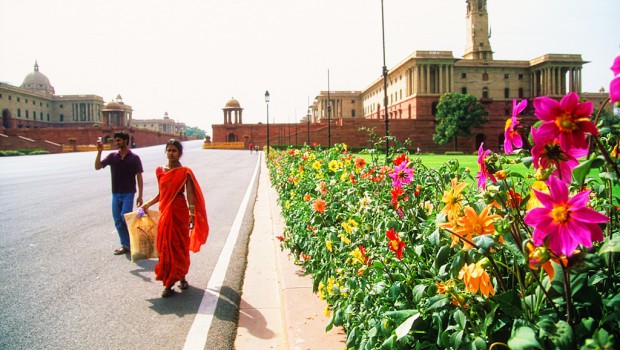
x=560 y=214
x=565 y=123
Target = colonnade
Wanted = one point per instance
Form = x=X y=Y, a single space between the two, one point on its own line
x=552 y=80
x=425 y=78
x=228 y=114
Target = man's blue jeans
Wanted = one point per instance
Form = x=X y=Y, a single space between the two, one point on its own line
x=122 y=203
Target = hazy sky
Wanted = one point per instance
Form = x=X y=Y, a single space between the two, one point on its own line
x=189 y=57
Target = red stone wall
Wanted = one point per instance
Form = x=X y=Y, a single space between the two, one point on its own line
x=83 y=136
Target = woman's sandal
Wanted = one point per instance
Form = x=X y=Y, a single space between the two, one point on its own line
x=183 y=284
x=167 y=292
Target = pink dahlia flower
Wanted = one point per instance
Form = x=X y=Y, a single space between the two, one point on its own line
x=564 y=222
x=511 y=133
x=567 y=120
x=546 y=152
x=483 y=172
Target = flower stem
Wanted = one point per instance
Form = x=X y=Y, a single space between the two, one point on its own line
x=567 y=295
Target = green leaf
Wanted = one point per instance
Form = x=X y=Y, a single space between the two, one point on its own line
x=608 y=176
x=509 y=303
x=611 y=246
x=405 y=327
x=524 y=339
x=581 y=171
x=460 y=318
x=484 y=242
x=389 y=343
x=442 y=256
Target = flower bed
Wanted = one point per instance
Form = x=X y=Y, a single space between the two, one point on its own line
x=409 y=257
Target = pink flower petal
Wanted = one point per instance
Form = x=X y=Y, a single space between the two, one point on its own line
x=589 y=216
x=616 y=66
x=614 y=89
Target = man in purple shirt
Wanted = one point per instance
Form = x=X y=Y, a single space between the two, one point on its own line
x=126 y=170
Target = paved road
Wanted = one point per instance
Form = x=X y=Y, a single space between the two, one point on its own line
x=60 y=285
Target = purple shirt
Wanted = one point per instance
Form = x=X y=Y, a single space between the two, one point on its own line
x=123 y=171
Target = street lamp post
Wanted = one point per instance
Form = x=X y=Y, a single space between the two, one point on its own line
x=385 y=94
x=308 y=121
x=267 y=102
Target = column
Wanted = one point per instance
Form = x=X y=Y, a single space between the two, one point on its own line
x=441 y=78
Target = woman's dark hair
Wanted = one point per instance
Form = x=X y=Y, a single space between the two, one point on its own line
x=176 y=144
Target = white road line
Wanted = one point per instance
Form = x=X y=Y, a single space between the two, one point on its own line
x=198 y=334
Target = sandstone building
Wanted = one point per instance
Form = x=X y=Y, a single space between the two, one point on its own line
x=415 y=85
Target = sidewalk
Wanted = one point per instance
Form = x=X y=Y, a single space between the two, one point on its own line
x=278 y=309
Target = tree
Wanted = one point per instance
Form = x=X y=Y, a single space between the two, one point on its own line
x=456 y=115
x=194 y=131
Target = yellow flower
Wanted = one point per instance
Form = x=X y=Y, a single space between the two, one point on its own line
x=344 y=177
x=452 y=198
x=288 y=205
x=321 y=291
x=344 y=238
x=357 y=256
x=328 y=244
x=333 y=165
x=319 y=175
x=316 y=165
x=365 y=203
x=533 y=202
x=326 y=311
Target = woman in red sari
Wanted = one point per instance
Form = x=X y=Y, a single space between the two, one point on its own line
x=183 y=224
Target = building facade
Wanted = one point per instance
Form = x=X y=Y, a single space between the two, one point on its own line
x=34 y=104
x=164 y=125
x=415 y=85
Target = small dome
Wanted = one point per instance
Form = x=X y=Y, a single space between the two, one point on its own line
x=112 y=106
x=37 y=81
x=232 y=103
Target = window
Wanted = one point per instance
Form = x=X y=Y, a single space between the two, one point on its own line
x=464 y=90
x=26 y=114
x=26 y=100
x=520 y=92
x=506 y=93
x=62 y=118
x=352 y=101
x=353 y=113
x=40 y=115
x=506 y=111
x=506 y=76
x=520 y=76
x=485 y=92
x=34 y=103
x=10 y=97
x=19 y=113
x=463 y=75
x=48 y=117
x=61 y=106
x=18 y=99
x=434 y=107
x=485 y=76
x=0 y=96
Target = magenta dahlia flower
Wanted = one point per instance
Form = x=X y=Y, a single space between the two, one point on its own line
x=614 y=89
x=567 y=120
x=546 y=152
x=483 y=172
x=402 y=174
x=511 y=134
x=564 y=222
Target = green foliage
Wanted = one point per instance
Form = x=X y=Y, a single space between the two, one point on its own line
x=457 y=115
x=194 y=131
x=421 y=302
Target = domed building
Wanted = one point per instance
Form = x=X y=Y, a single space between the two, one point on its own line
x=37 y=81
x=34 y=104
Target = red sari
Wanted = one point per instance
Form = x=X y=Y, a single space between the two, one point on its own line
x=174 y=238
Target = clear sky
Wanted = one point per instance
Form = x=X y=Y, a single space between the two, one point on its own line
x=189 y=57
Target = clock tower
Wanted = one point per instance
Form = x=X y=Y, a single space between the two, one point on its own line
x=477 y=45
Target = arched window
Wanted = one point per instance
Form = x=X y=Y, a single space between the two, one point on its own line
x=485 y=92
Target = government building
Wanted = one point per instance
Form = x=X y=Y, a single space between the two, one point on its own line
x=414 y=87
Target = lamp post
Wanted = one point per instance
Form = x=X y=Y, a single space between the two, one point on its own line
x=308 y=128
x=267 y=102
x=385 y=95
